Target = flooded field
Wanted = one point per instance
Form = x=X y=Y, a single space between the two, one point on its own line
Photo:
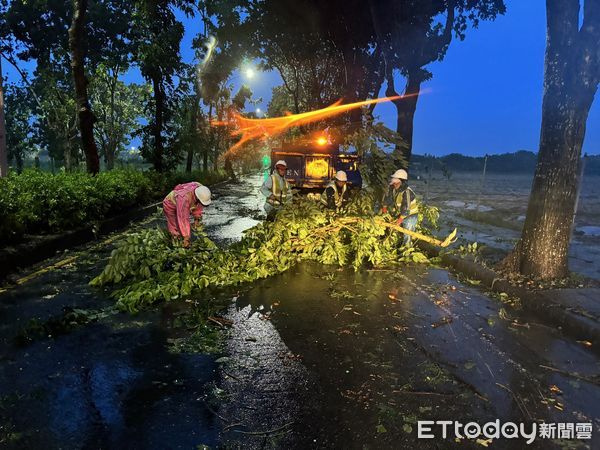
x=493 y=212
x=318 y=357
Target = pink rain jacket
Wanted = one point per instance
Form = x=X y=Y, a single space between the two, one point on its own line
x=178 y=205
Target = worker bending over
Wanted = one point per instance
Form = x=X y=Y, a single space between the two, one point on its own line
x=400 y=201
x=276 y=189
x=183 y=200
x=336 y=194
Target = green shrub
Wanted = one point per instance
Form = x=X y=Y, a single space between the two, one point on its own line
x=37 y=202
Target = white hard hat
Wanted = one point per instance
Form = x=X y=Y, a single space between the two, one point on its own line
x=400 y=174
x=340 y=175
x=281 y=162
x=203 y=194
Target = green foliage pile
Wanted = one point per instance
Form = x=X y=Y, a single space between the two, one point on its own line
x=37 y=202
x=147 y=267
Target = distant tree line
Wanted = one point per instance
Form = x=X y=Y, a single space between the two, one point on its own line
x=522 y=162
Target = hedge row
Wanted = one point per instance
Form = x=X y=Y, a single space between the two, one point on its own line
x=37 y=202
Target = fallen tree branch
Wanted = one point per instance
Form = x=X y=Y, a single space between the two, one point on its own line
x=228 y=427
x=214 y=412
x=517 y=399
x=571 y=374
x=445 y=243
x=220 y=321
x=423 y=393
x=264 y=433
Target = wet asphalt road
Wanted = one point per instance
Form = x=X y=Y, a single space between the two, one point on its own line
x=317 y=357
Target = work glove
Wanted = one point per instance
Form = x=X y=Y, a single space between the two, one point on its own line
x=384 y=210
x=400 y=220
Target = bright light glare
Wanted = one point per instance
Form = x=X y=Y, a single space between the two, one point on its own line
x=254 y=128
x=321 y=140
x=249 y=73
x=257 y=110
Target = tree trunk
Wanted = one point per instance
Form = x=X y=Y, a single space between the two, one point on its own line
x=67 y=156
x=3 y=149
x=194 y=132
x=350 y=89
x=571 y=77
x=228 y=167
x=84 y=111
x=215 y=160
x=405 y=110
x=111 y=148
x=19 y=162
x=158 y=122
x=110 y=156
x=212 y=132
x=190 y=159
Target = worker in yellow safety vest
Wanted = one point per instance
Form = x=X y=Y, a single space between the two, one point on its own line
x=400 y=201
x=336 y=194
x=276 y=189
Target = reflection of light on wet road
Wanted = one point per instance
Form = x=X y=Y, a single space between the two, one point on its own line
x=263 y=379
x=377 y=347
x=234 y=206
x=235 y=229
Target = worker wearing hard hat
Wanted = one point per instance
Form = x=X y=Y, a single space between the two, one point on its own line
x=276 y=189
x=183 y=200
x=336 y=194
x=400 y=201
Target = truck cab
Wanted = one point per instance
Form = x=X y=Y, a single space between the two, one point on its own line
x=311 y=166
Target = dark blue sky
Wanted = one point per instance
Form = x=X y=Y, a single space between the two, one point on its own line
x=484 y=97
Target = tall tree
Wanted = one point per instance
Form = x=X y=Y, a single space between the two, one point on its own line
x=159 y=34
x=41 y=30
x=18 y=106
x=571 y=78
x=4 y=31
x=117 y=106
x=323 y=50
x=3 y=148
x=77 y=37
x=412 y=35
x=348 y=48
x=56 y=127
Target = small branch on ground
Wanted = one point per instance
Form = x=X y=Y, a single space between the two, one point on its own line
x=572 y=374
x=214 y=412
x=265 y=433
